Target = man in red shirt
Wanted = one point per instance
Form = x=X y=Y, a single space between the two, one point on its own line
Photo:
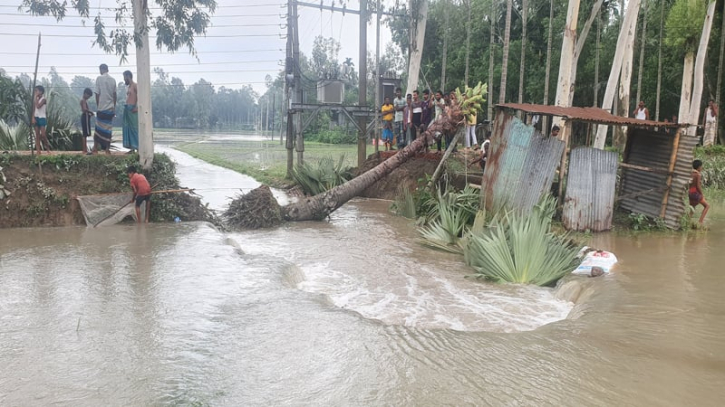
x=141 y=192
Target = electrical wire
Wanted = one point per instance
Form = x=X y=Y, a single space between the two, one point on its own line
x=93 y=36
x=153 y=53
x=133 y=66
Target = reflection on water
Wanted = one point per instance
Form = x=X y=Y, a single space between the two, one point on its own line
x=175 y=315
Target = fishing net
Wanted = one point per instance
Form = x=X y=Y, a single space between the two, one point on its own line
x=106 y=210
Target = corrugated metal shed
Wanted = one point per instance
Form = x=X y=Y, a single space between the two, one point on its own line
x=584 y=114
x=590 y=188
x=646 y=172
x=521 y=166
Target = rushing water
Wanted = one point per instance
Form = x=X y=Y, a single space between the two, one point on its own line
x=347 y=312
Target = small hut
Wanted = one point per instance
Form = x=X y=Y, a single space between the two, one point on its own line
x=651 y=178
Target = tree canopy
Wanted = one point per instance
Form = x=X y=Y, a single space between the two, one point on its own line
x=176 y=22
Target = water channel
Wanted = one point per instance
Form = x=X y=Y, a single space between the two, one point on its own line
x=347 y=312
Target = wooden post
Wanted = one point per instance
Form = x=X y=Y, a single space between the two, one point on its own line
x=32 y=101
x=564 y=133
x=671 y=169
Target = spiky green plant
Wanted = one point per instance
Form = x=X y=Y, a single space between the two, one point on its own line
x=319 y=177
x=404 y=204
x=445 y=231
x=13 y=138
x=521 y=248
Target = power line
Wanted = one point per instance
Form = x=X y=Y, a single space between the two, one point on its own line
x=153 y=53
x=92 y=17
x=160 y=8
x=93 y=36
x=170 y=73
x=131 y=65
x=121 y=26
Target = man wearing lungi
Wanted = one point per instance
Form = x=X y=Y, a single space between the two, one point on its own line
x=130 y=113
x=106 y=102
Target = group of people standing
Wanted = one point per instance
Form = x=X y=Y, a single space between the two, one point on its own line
x=709 y=120
x=406 y=119
x=106 y=99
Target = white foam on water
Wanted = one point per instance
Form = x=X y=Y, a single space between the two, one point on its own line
x=361 y=262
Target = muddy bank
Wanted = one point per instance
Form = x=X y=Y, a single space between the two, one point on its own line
x=415 y=172
x=43 y=189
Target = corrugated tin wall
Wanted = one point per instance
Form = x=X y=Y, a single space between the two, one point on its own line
x=653 y=150
x=521 y=166
x=590 y=188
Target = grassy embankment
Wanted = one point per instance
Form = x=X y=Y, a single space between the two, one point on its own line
x=265 y=161
x=42 y=188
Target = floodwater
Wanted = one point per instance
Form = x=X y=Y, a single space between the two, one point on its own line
x=347 y=312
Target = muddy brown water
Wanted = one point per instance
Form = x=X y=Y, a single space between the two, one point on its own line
x=345 y=313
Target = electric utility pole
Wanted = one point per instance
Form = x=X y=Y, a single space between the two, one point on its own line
x=362 y=88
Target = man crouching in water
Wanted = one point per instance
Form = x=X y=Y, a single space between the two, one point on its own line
x=141 y=192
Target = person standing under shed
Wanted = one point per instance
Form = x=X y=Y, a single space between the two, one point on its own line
x=710 y=121
x=106 y=104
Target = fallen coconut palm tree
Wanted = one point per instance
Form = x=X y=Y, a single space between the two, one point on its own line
x=320 y=206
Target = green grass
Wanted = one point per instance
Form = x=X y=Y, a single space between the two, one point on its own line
x=265 y=161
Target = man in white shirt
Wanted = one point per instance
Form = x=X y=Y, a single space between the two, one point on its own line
x=106 y=102
x=399 y=106
x=641 y=112
x=710 y=121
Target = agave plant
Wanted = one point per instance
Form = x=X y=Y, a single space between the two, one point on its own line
x=13 y=138
x=326 y=174
x=445 y=231
x=521 y=248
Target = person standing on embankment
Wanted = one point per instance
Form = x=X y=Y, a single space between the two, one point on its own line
x=130 y=113
x=710 y=121
x=106 y=103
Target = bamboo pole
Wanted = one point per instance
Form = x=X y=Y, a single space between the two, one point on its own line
x=671 y=169
x=32 y=101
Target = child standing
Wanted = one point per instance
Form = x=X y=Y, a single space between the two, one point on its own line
x=86 y=118
x=40 y=120
x=695 y=192
x=387 y=111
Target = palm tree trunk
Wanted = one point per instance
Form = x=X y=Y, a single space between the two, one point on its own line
x=545 y=121
x=505 y=63
x=642 y=45
x=468 y=40
x=596 y=59
x=322 y=205
x=688 y=68
x=720 y=67
x=568 y=49
x=630 y=20
x=522 y=67
x=489 y=101
x=580 y=41
x=659 y=60
x=625 y=82
x=700 y=68
x=444 y=59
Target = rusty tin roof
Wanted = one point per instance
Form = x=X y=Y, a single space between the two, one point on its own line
x=585 y=114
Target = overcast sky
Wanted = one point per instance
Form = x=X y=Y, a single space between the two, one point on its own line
x=244 y=44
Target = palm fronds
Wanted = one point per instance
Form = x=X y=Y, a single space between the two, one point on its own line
x=13 y=138
x=445 y=231
x=521 y=248
x=405 y=204
x=325 y=174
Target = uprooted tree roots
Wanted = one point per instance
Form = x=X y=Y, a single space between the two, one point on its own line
x=254 y=210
